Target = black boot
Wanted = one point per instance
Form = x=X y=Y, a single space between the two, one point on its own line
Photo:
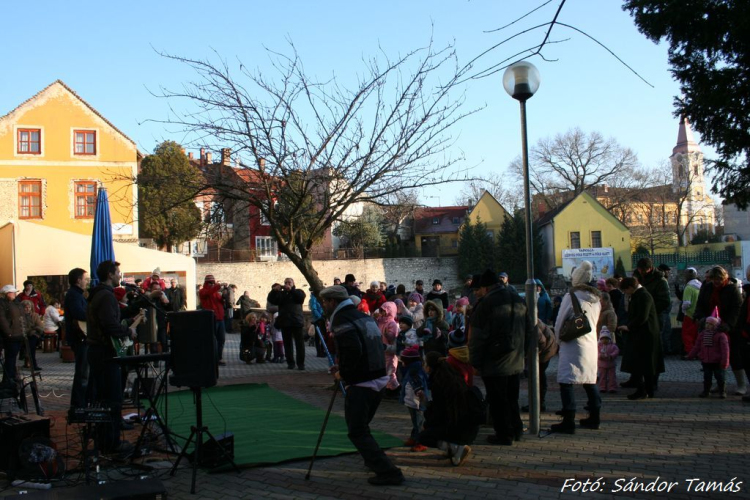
x=593 y=421
x=723 y=390
x=568 y=424
x=706 y=390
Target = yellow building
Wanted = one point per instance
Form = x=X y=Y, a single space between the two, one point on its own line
x=490 y=212
x=582 y=223
x=56 y=152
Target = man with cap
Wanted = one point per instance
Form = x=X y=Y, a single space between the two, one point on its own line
x=350 y=283
x=11 y=331
x=438 y=293
x=504 y=281
x=361 y=367
x=211 y=300
x=689 y=301
x=289 y=299
x=499 y=327
x=419 y=287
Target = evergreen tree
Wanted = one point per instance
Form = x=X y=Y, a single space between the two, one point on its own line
x=167 y=211
x=467 y=248
x=510 y=248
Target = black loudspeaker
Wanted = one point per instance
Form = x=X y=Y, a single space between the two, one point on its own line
x=13 y=430
x=193 y=347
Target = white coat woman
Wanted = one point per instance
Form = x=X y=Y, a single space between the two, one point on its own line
x=578 y=358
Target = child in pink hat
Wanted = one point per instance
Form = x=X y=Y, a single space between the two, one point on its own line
x=712 y=348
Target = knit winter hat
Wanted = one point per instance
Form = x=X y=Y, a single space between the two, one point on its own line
x=457 y=338
x=583 y=273
x=355 y=300
x=374 y=283
x=463 y=301
x=410 y=352
x=157 y=272
x=416 y=297
x=605 y=334
x=349 y=278
x=209 y=278
x=406 y=320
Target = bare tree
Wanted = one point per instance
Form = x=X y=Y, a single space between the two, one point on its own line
x=397 y=208
x=497 y=185
x=315 y=148
x=652 y=210
x=573 y=162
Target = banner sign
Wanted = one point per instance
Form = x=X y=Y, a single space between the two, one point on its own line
x=602 y=261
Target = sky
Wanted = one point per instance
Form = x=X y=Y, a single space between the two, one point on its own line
x=107 y=52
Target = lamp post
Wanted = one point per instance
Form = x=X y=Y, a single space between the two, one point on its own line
x=521 y=81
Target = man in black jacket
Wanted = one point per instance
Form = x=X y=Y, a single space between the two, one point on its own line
x=361 y=367
x=499 y=328
x=291 y=322
x=103 y=325
x=75 y=306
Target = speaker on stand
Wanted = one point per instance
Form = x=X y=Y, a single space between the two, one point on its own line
x=195 y=365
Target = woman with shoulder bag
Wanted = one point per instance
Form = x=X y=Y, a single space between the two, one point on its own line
x=577 y=364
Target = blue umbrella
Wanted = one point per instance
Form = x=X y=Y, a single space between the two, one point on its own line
x=102 y=247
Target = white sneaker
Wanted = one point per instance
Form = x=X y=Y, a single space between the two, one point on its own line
x=460 y=453
x=740 y=391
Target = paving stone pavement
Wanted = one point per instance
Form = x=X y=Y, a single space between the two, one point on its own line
x=673 y=438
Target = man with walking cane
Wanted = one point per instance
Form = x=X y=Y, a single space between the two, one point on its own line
x=361 y=367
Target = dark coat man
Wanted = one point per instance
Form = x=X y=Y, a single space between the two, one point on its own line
x=291 y=321
x=499 y=327
x=361 y=367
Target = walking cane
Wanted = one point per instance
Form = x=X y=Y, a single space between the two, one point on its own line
x=328 y=355
x=322 y=431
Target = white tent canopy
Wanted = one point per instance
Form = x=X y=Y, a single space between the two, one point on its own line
x=28 y=249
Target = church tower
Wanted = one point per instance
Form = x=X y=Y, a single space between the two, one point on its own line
x=687 y=163
x=688 y=175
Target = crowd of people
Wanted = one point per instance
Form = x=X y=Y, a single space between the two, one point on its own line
x=420 y=347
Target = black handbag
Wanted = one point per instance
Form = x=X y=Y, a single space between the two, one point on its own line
x=577 y=325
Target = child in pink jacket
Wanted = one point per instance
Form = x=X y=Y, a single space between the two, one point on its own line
x=712 y=348
x=608 y=352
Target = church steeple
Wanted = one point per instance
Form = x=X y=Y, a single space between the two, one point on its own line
x=685 y=142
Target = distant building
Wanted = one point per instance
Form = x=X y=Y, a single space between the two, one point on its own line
x=736 y=223
x=56 y=153
x=490 y=212
x=651 y=213
x=579 y=223
x=436 y=230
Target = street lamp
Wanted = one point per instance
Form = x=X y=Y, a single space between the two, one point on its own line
x=521 y=81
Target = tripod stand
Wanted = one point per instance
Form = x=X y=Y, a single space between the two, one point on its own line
x=197 y=431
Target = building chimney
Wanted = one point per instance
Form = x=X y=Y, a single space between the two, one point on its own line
x=226 y=157
x=203 y=157
x=606 y=188
x=262 y=163
x=190 y=155
x=209 y=157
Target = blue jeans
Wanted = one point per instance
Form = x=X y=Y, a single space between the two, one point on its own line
x=417 y=421
x=568 y=396
x=12 y=349
x=359 y=408
x=80 y=394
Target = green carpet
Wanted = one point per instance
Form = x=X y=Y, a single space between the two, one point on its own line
x=269 y=426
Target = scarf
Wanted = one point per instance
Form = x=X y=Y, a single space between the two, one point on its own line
x=708 y=337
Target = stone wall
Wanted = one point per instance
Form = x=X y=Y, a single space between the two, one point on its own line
x=257 y=277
